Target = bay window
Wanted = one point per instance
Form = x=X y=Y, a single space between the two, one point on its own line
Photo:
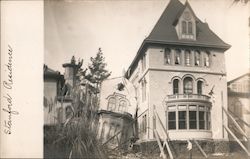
x=182 y=117
x=188 y=117
x=192 y=119
x=171 y=120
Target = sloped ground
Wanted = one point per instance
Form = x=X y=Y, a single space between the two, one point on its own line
x=236 y=155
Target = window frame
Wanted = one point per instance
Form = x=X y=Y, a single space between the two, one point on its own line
x=176 y=90
x=177 y=57
x=197 y=58
x=187 y=108
x=111 y=108
x=200 y=87
x=207 y=61
x=174 y=120
x=167 y=56
x=188 y=87
x=187 y=57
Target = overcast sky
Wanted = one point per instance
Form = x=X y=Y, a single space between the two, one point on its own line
x=80 y=27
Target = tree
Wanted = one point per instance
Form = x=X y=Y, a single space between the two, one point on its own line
x=97 y=70
x=242 y=1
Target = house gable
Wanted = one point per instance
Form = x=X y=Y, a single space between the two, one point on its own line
x=186 y=24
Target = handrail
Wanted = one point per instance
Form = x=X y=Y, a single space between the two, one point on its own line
x=236 y=124
x=238 y=118
x=162 y=154
x=166 y=136
x=242 y=146
x=202 y=151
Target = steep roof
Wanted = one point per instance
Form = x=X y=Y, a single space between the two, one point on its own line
x=164 y=32
x=238 y=78
x=50 y=73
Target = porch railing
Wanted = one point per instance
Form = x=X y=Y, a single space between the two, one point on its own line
x=188 y=96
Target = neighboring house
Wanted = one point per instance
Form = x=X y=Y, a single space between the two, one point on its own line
x=116 y=112
x=53 y=82
x=58 y=93
x=239 y=103
x=179 y=71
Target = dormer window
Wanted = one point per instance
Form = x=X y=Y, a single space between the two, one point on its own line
x=186 y=27
x=190 y=28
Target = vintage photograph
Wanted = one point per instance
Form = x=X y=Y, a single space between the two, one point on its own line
x=146 y=79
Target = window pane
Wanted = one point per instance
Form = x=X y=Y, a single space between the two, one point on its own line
x=171 y=116
x=188 y=85
x=177 y=57
x=167 y=56
x=171 y=120
x=111 y=104
x=184 y=27
x=192 y=115
x=199 y=87
x=192 y=120
x=190 y=28
x=206 y=59
x=197 y=58
x=182 y=124
x=201 y=120
x=182 y=119
x=187 y=57
x=122 y=106
x=171 y=125
x=176 y=86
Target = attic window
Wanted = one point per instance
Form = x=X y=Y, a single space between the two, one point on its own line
x=187 y=26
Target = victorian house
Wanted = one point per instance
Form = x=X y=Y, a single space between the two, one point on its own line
x=180 y=78
x=116 y=113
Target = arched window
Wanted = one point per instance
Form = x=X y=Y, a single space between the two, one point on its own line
x=199 y=87
x=190 y=27
x=184 y=27
x=111 y=104
x=122 y=106
x=177 y=57
x=176 y=86
x=206 y=59
x=197 y=58
x=167 y=55
x=188 y=85
x=187 y=57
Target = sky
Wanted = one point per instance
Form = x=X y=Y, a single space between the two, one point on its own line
x=80 y=27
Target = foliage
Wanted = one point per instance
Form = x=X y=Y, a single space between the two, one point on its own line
x=77 y=136
x=242 y=1
x=98 y=71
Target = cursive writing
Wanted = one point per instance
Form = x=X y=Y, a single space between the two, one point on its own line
x=9 y=82
x=8 y=101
